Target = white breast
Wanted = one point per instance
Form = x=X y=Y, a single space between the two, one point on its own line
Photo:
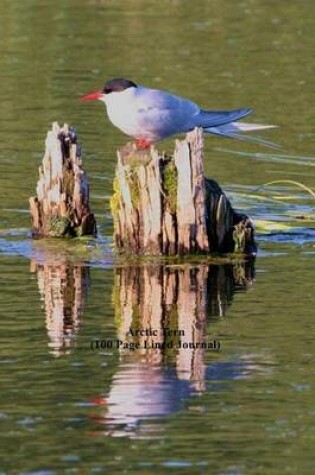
x=123 y=112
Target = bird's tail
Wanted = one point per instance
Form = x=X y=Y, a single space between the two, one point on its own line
x=235 y=130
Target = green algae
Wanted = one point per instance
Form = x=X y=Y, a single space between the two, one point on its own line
x=68 y=177
x=170 y=185
x=115 y=200
x=59 y=226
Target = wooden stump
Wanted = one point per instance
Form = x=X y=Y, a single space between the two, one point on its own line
x=61 y=207
x=165 y=205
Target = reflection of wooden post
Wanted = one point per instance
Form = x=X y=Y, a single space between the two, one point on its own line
x=178 y=298
x=164 y=298
x=62 y=288
x=61 y=207
x=165 y=205
x=192 y=301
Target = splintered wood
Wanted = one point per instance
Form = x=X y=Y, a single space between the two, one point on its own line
x=61 y=207
x=165 y=206
x=191 y=202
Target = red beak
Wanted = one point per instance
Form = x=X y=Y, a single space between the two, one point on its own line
x=93 y=96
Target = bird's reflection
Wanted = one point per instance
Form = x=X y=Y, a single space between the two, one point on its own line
x=62 y=286
x=165 y=310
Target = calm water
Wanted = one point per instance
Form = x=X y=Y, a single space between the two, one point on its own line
x=69 y=408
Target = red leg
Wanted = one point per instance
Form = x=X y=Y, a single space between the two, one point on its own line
x=143 y=144
x=99 y=401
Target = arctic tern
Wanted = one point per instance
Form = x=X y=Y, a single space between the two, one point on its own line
x=149 y=115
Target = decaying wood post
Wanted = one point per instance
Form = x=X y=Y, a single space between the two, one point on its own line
x=165 y=205
x=61 y=207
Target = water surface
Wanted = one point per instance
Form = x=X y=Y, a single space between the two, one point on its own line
x=67 y=407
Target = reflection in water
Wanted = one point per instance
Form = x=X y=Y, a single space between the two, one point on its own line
x=62 y=288
x=140 y=392
x=162 y=311
x=223 y=282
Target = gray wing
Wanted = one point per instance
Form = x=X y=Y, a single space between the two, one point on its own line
x=207 y=119
x=164 y=113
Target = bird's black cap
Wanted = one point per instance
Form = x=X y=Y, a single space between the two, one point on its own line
x=117 y=84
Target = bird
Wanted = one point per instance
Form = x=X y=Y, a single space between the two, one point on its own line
x=149 y=115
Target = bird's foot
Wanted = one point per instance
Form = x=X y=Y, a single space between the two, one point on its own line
x=142 y=144
x=99 y=401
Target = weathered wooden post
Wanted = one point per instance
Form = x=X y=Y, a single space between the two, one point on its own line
x=61 y=207
x=165 y=205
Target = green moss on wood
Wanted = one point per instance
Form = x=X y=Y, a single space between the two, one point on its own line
x=132 y=180
x=78 y=231
x=115 y=199
x=137 y=158
x=170 y=185
x=59 y=226
x=239 y=239
x=68 y=177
